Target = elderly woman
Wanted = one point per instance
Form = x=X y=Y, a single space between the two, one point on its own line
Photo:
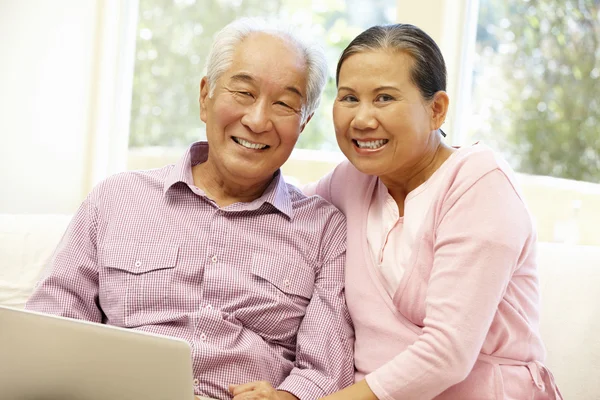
x=441 y=274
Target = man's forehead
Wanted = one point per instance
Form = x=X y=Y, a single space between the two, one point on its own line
x=266 y=58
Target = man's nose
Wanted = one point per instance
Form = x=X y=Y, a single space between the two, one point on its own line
x=364 y=118
x=258 y=118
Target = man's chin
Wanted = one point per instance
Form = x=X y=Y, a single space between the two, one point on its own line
x=251 y=176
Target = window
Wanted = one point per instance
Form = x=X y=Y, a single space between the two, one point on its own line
x=536 y=79
x=173 y=41
x=535 y=85
x=535 y=75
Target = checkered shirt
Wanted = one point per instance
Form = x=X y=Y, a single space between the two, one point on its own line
x=255 y=288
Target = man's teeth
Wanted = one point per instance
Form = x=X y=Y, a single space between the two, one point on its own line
x=374 y=144
x=249 y=145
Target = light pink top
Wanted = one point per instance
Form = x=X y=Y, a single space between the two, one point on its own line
x=384 y=235
x=463 y=321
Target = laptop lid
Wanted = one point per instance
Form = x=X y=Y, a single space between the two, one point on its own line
x=45 y=357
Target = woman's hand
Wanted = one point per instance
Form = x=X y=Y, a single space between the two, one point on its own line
x=260 y=390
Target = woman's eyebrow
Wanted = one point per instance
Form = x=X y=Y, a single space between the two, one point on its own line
x=380 y=88
x=377 y=89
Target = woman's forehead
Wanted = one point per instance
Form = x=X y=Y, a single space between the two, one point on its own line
x=376 y=65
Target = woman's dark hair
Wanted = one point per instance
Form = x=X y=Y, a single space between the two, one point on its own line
x=429 y=70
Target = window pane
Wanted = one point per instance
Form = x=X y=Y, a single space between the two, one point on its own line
x=174 y=38
x=536 y=85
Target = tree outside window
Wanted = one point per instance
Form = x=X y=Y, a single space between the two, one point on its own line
x=174 y=37
x=536 y=94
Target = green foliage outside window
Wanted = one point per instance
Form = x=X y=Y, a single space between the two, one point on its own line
x=174 y=37
x=537 y=85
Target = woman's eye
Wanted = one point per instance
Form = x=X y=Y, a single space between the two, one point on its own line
x=384 y=97
x=349 y=98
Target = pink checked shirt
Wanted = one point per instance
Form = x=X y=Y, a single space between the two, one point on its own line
x=255 y=288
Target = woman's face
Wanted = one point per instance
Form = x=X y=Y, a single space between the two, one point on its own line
x=382 y=123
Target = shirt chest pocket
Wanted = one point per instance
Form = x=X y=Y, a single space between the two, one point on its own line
x=135 y=280
x=280 y=293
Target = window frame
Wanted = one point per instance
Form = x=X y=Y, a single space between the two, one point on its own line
x=451 y=23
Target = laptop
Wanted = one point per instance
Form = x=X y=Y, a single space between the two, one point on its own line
x=45 y=357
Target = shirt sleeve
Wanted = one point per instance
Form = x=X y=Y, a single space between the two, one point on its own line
x=69 y=287
x=324 y=348
x=477 y=246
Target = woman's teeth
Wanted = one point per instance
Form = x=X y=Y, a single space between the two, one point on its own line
x=373 y=144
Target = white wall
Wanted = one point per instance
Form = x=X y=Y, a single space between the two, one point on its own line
x=47 y=51
x=452 y=24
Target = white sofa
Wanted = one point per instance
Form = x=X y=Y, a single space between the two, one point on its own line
x=569 y=277
x=27 y=242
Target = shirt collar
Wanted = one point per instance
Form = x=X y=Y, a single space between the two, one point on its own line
x=182 y=170
x=276 y=193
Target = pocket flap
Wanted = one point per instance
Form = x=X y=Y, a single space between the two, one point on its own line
x=139 y=258
x=297 y=279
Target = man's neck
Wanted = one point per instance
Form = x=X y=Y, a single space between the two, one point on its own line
x=224 y=191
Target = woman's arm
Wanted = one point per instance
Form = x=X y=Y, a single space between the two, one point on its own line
x=477 y=246
x=359 y=391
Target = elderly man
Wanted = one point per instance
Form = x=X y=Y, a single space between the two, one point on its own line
x=217 y=249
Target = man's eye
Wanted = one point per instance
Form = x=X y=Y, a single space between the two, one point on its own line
x=281 y=103
x=245 y=93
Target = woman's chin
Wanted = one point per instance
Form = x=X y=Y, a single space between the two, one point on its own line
x=368 y=167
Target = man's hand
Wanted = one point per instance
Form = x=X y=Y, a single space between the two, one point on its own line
x=260 y=390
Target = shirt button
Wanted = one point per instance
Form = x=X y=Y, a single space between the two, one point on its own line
x=203 y=337
x=196 y=382
x=138 y=263
x=208 y=307
x=214 y=259
x=286 y=283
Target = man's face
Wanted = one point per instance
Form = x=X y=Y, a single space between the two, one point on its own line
x=253 y=119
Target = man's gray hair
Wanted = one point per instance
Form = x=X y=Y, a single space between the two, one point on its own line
x=227 y=39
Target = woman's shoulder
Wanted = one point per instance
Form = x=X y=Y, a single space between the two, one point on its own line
x=479 y=156
x=340 y=184
x=473 y=162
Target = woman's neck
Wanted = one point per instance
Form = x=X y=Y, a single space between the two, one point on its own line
x=402 y=182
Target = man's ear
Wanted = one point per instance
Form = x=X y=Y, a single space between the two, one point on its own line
x=204 y=90
x=306 y=122
x=439 y=108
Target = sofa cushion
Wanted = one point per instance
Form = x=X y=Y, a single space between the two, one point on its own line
x=27 y=242
x=570 y=316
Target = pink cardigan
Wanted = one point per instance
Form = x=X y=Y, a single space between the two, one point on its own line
x=463 y=323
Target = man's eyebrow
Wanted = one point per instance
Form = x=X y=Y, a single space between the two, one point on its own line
x=247 y=78
x=293 y=90
x=242 y=77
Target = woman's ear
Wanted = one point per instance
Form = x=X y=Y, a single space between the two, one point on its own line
x=439 y=108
